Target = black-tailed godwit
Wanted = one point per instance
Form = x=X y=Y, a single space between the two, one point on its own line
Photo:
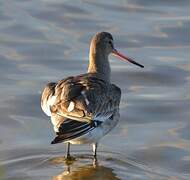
x=84 y=108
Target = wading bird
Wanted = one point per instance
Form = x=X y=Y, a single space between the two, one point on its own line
x=84 y=108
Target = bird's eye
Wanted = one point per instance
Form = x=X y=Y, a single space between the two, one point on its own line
x=111 y=44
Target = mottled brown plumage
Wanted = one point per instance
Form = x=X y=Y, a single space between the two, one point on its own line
x=86 y=107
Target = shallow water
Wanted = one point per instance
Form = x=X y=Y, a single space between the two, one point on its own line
x=43 y=40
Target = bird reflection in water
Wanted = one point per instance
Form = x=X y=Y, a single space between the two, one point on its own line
x=81 y=169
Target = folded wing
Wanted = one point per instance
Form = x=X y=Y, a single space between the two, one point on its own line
x=82 y=98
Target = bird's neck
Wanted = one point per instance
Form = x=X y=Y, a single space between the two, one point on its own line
x=98 y=63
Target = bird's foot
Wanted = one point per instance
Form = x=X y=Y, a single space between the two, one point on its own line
x=95 y=161
x=69 y=159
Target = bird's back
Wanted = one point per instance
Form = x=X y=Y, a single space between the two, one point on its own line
x=85 y=98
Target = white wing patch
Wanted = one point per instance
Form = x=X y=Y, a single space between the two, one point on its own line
x=71 y=106
x=51 y=100
x=46 y=105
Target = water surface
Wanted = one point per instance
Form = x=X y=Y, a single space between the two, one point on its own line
x=43 y=40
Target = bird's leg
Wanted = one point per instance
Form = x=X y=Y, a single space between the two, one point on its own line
x=69 y=159
x=68 y=156
x=94 y=146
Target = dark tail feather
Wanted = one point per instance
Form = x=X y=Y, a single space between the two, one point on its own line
x=71 y=129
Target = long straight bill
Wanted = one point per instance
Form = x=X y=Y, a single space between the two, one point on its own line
x=121 y=56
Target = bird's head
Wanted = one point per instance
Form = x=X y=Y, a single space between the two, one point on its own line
x=103 y=42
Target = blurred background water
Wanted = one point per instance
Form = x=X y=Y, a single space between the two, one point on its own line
x=44 y=40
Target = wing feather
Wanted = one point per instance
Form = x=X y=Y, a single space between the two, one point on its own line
x=92 y=98
x=71 y=129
